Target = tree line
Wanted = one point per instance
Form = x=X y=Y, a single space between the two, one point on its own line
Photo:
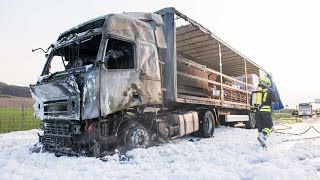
x=12 y=90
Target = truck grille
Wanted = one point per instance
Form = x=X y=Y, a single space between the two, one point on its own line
x=62 y=109
x=57 y=135
x=57 y=128
x=56 y=108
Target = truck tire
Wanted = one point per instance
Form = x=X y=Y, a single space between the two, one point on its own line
x=134 y=135
x=251 y=124
x=206 y=124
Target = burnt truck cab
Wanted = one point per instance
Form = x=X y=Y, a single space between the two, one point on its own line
x=93 y=74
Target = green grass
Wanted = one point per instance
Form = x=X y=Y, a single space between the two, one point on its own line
x=15 y=119
x=277 y=116
x=287 y=117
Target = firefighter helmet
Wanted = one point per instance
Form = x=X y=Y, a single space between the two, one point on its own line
x=265 y=81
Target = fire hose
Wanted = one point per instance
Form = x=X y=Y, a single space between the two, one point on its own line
x=297 y=134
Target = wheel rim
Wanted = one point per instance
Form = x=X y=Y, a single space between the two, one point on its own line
x=139 y=138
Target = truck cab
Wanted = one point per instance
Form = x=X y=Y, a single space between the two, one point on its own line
x=97 y=69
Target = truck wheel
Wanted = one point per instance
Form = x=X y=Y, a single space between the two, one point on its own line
x=251 y=124
x=137 y=137
x=134 y=135
x=207 y=124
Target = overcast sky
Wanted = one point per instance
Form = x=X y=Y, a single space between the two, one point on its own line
x=281 y=36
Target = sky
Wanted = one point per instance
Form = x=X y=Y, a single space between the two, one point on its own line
x=234 y=153
x=281 y=36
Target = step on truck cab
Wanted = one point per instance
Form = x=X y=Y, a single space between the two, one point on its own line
x=133 y=80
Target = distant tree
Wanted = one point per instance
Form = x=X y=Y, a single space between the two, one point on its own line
x=12 y=90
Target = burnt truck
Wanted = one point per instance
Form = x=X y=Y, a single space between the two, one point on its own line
x=134 y=80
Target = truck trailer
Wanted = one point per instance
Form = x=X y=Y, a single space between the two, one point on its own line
x=134 y=80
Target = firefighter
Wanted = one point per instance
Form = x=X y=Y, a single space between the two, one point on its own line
x=263 y=98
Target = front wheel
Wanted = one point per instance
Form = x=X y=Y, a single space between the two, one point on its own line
x=134 y=135
x=207 y=124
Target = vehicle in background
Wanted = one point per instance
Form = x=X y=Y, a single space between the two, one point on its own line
x=306 y=109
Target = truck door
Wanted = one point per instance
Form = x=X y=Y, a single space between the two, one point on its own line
x=123 y=83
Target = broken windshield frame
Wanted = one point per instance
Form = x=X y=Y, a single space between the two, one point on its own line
x=79 y=52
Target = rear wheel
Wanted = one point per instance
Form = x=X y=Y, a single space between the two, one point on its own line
x=207 y=124
x=251 y=124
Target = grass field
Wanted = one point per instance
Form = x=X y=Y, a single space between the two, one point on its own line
x=17 y=119
x=287 y=117
x=277 y=116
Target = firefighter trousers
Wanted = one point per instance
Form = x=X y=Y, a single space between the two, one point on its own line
x=263 y=120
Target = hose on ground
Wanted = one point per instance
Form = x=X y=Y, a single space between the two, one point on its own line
x=297 y=134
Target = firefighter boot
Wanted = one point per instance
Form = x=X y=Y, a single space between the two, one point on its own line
x=262 y=139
